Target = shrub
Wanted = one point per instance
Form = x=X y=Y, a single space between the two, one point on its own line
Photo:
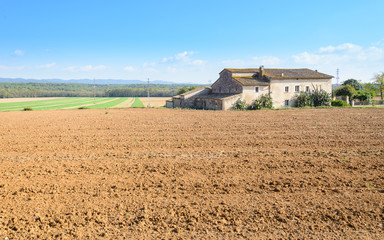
x=304 y=100
x=28 y=109
x=339 y=103
x=365 y=96
x=264 y=101
x=320 y=97
x=240 y=105
x=83 y=107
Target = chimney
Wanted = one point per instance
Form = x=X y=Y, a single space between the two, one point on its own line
x=261 y=72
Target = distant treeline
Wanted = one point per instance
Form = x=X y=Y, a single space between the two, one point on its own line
x=17 y=90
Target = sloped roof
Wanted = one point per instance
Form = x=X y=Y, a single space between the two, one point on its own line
x=251 y=81
x=218 y=95
x=281 y=73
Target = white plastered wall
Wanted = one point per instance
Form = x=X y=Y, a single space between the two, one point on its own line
x=250 y=95
x=279 y=95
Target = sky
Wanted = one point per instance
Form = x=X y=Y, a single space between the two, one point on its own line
x=188 y=41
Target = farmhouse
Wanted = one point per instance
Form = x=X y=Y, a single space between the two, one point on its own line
x=283 y=85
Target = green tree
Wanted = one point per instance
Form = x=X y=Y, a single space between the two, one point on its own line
x=346 y=91
x=185 y=89
x=379 y=81
x=354 y=83
x=371 y=87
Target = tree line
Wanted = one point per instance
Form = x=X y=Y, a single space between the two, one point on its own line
x=355 y=90
x=20 y=90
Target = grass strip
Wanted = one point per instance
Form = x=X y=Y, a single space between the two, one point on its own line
x=108 y=104
x=50 y=105
x=35 y=104
x=137 y=103
x=72 y=104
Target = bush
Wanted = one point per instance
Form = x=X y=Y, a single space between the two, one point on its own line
x=264 y=101
x=28 y=109
x=304 y=100
x=240 y=105
x=339 y=103
x=320 y=97
x=365 y=96
x=83 y=107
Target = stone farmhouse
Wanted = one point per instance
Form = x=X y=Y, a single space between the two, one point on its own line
x=283 y=85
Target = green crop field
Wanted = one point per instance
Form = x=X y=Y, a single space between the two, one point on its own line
x=72 y=103
x=137 y=103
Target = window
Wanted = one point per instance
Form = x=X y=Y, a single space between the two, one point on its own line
x=297 y=88
x=286 y=103
x=256 y=89
x=286 y=89
x=307 y=89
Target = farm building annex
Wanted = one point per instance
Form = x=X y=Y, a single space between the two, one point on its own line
x=283 y=85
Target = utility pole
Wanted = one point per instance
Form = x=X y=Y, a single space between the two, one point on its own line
x=149 y=99
x=337 y=77
x=94 y=91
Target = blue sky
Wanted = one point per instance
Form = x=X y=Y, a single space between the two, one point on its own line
x=188 y=41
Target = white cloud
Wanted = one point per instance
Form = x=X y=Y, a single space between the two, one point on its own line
x=93 y=68
x=184 y=58
x=346 y=47
x=308 y=58
x=197 y=62
x=171 y=69
x=267 y=60
x=71 y=68
x=48 y=65
x=86 y=68
x=354 y=61
x=12 y=68
x=255 y=62
x=129 y=69
x=18 y=52
x=344 y=53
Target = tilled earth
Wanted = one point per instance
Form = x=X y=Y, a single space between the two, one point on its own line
x=176 y=174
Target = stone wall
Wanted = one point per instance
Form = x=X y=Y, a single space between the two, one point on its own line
x=208 y=104
x=188 y=100
x=226 y=84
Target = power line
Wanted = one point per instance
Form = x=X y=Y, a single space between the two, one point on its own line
x=149 y=99
x=94 y=91
x=337 y=76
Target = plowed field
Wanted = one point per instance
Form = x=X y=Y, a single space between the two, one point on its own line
x=160 y=173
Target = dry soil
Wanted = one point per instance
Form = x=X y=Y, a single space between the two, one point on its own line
x=160 y=173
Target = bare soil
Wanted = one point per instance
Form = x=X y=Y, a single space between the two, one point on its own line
x=175 y=174
x=155 y=101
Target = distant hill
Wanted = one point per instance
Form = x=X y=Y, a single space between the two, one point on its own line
x=87 y=81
